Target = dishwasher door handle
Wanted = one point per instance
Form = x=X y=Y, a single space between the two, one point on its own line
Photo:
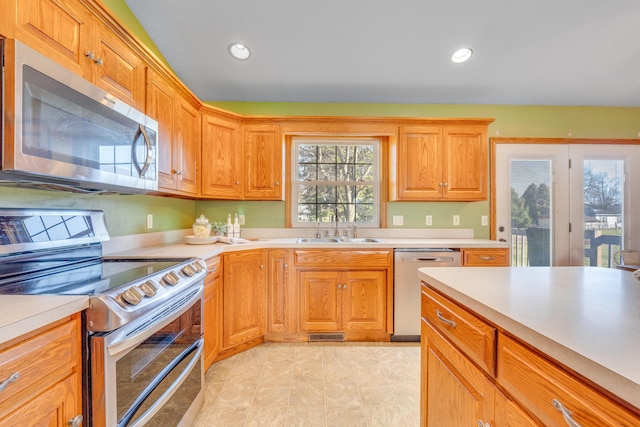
x=428 y=259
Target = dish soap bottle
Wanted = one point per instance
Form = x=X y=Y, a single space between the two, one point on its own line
x=201 y=228
x=229 y=232
x=236 y=227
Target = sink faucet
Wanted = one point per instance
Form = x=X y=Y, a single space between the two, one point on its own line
x=337 y=233
x=355 y=231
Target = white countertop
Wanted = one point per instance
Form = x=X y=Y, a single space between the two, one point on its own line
x=182 y=249
x=21 y=314
x=586 y=318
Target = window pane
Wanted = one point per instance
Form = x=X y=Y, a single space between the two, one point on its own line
x=327 y=172
x=307 y=154
x=364 y=154
x=327 y=154
x=307 y=172
x=364 y=173
x=326 y=194
x=346 y=173
x=307 y=194
x=603 y=226
x=364 y=212
x=531 y=212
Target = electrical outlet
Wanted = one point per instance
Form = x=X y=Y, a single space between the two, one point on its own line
x=484 y=220
x=456 y=220
x=149 y=221
x=241 y=219
x=398 y=220
x=429 y=220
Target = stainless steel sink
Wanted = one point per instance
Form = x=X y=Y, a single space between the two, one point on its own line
x=339 y=240
x=361 y=240
x=318 y=240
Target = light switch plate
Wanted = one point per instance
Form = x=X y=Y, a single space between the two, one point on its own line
x=456 y=220
x=484 y=220
x=429 y=220
x=398 y=220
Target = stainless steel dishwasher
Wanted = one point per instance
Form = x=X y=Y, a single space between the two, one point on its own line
x=406 y=285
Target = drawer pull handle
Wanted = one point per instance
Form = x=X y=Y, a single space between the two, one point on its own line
x=486 y=258
x=565 y=413
x=482 y=424
x=9 y=380
x=444 y=319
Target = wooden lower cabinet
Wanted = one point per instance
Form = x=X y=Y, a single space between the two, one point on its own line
x=526 y=389
x=281 y=293
x=48 y=390
x=212 y=315
x=455 y=393
x=244 y=297
x=342 y=300
x=485 y=257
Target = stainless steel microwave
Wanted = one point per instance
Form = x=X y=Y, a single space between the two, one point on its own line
x=62 y=132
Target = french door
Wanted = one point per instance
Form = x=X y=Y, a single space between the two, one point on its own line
x=567 y=204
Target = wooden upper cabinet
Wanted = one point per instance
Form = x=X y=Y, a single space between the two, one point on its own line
x=441 y=163
x=221 y=157
x=262 y=168
x=68 y=33
x=114 y=67
x=57 y=28
x=465 y=163
x=419 y=167
x=178 y=136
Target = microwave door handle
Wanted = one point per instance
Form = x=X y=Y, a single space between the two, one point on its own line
x=147 y=142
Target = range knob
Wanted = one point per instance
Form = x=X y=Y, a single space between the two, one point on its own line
x=149 y=288
x=171 y=278
x=132 y=296
x=197 y=265
x=188 y=270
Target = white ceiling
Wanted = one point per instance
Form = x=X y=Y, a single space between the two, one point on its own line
x=528 y=52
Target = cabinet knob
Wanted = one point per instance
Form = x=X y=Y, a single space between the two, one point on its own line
x=261 y=265
x=237 y=182
x=99 y=62
x=75 y=421
x=446 y=184
x=286 y=266
x=277 y=183
x=89 y=54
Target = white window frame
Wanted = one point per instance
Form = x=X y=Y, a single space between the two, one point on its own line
x=376 y=182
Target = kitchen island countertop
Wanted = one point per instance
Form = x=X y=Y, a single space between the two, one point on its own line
x=586 y=318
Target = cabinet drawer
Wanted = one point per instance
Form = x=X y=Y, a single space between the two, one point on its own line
x=213 y=267
x=537 y=382
x=342 y=258
x=469 y=333
x=40 y=361
x=485 y=257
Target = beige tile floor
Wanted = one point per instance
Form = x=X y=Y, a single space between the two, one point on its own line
x=315 y=384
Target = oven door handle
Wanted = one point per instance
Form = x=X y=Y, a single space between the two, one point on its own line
x=197 y=347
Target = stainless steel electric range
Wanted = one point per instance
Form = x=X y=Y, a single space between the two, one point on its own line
x=143 y=329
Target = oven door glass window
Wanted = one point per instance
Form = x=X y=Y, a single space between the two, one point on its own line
x=167 y=365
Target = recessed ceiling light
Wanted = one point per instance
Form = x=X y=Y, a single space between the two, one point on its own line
x=461 y=55
x=239 y=51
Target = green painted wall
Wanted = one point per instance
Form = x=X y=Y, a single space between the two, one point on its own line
x=127 y=214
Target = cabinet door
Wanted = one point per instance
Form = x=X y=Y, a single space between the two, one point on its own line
x=281 y=302
x=455 y=391
x=221 y=157
x=54 y=407
x=262 y=162
x=419 y=164
x=364 y=300
x=319 y=309
x=56 y=28
x=465 y=171
x=187 y=146
x=244 y=297
x=116 y=68
x=510 y=414
x=161 y=106
x=212 y=316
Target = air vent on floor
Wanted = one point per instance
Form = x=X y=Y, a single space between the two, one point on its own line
x=329 y=337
